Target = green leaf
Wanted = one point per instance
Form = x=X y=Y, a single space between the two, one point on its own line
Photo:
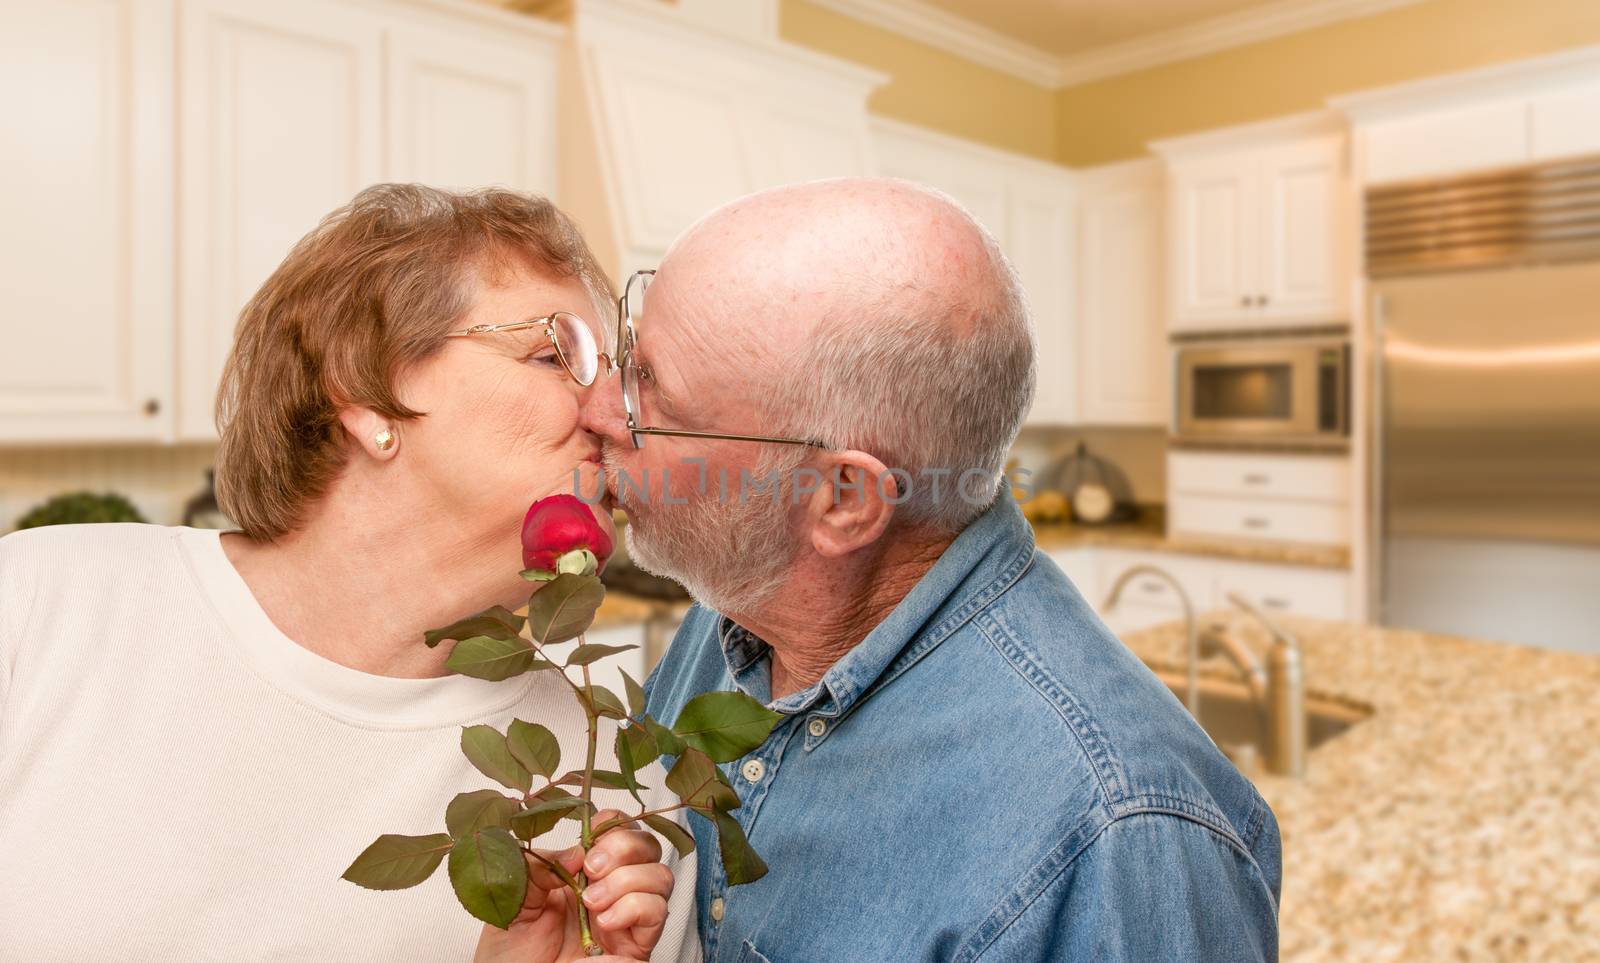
x=539 y=818
x=538 y=575
x=564 y=608
x=592 y=652
x=667 y=741
x=626 y=766
x=604 y=778
x=725 y=725
x=490 y=875
x=534 y=746
x=472 y=811
x=542 y=817
x=635 y=693
x=694 y=777
x=641 y=744
x=681 y=839
x=486 y=749
x=492 y=659
x=605 y=702
x=739 y=860
x=498 y=622
x=398 y=862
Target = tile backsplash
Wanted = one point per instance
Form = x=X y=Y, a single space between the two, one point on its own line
x=158 y=479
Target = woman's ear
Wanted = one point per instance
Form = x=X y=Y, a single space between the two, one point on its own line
x=373 y=433
x=853 y=503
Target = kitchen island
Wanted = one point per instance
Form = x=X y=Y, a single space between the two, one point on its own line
x=1461 y=821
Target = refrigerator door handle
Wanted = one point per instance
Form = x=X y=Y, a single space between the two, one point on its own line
x=1376 y=548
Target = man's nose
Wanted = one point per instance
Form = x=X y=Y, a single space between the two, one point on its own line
x=602 y=412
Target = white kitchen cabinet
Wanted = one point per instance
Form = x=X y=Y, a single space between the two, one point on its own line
x=1287 y=589
x=1213 y=241
x=1304 y=239
x=1565 y=122
x=468 y=112
x=1039 y=242
x=1528 y=111
x=1125 y=379
x=1305 y=477
x=1446 y=142
x=1029 y=207
x=86 y=258
x=1081 y=567
x=1259 y=226
x=282 y=112
x=1307 y=522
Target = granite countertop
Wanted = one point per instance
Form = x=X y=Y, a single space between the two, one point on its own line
x=1461 y=821
x=1149 y=532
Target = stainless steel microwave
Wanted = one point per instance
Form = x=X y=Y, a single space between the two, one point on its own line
x=1293 y=393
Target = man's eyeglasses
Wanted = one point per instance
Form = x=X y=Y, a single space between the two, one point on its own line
x=630 y=307
x=573 y=339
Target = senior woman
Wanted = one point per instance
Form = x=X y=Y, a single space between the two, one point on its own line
x=199 y=732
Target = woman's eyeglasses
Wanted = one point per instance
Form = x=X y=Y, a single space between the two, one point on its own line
x=571 y=336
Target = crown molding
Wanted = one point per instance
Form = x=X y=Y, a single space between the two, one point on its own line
x=990 y=48
x=958 y=35
x=1252 y=25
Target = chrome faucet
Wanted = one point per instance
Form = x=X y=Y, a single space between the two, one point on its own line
x=1192 y=695
x=1279 y=688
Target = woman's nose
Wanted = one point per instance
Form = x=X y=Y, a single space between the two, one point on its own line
x=601 y=412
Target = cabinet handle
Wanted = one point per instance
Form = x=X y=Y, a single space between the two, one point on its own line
x=1152 y=588
x=1254 y=522
x=152 y=407
x=1274 y=603
x=1257 y=479
x=1244 y=301
x=1261 y=301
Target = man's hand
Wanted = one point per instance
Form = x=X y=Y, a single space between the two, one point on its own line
x=626 y=897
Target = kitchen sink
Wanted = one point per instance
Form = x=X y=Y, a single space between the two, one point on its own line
x=1236 y=724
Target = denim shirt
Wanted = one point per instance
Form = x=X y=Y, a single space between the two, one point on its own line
x=988 y=775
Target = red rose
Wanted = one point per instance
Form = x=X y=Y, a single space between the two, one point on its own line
x=558 y=524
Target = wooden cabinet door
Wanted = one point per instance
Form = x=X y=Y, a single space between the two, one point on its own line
x=466 y=113
x=1304 y=234
x=86 y=251
x=281 y=106
x=1214 y=240
x=1124 y=360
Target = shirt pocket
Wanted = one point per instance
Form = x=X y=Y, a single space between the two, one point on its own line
x=749 y=954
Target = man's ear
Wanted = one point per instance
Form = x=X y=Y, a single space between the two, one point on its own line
x=373 y=433
x=852 y=504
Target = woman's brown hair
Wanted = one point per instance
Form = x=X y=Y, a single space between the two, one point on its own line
x=371 y=291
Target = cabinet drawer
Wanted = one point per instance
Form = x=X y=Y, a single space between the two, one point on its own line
x=1276 y=589
x=1195 y=575
x=1308 y=477
x=1326 y=523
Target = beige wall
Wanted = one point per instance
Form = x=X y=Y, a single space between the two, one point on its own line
x=1113 y=118
x=929 y=86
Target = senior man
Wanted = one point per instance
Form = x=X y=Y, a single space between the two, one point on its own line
x=820 y=385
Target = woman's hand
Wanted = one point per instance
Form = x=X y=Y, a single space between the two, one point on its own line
x=626 y=913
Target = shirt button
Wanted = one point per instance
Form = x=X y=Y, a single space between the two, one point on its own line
x=816 y=727
x=716 y=910
x=753 y=770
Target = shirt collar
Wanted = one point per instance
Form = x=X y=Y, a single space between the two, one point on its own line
x=982 y=562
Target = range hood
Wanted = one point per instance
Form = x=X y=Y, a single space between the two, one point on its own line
x=668 y=112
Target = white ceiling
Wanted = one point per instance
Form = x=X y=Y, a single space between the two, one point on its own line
x=1066 y=27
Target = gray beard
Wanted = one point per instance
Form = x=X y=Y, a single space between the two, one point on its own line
x=729 y=555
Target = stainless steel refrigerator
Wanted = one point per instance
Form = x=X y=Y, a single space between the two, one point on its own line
x=1486 y=405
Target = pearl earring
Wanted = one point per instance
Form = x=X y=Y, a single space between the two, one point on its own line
x=384 y=440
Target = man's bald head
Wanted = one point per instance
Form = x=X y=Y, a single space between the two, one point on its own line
x=874 y=314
